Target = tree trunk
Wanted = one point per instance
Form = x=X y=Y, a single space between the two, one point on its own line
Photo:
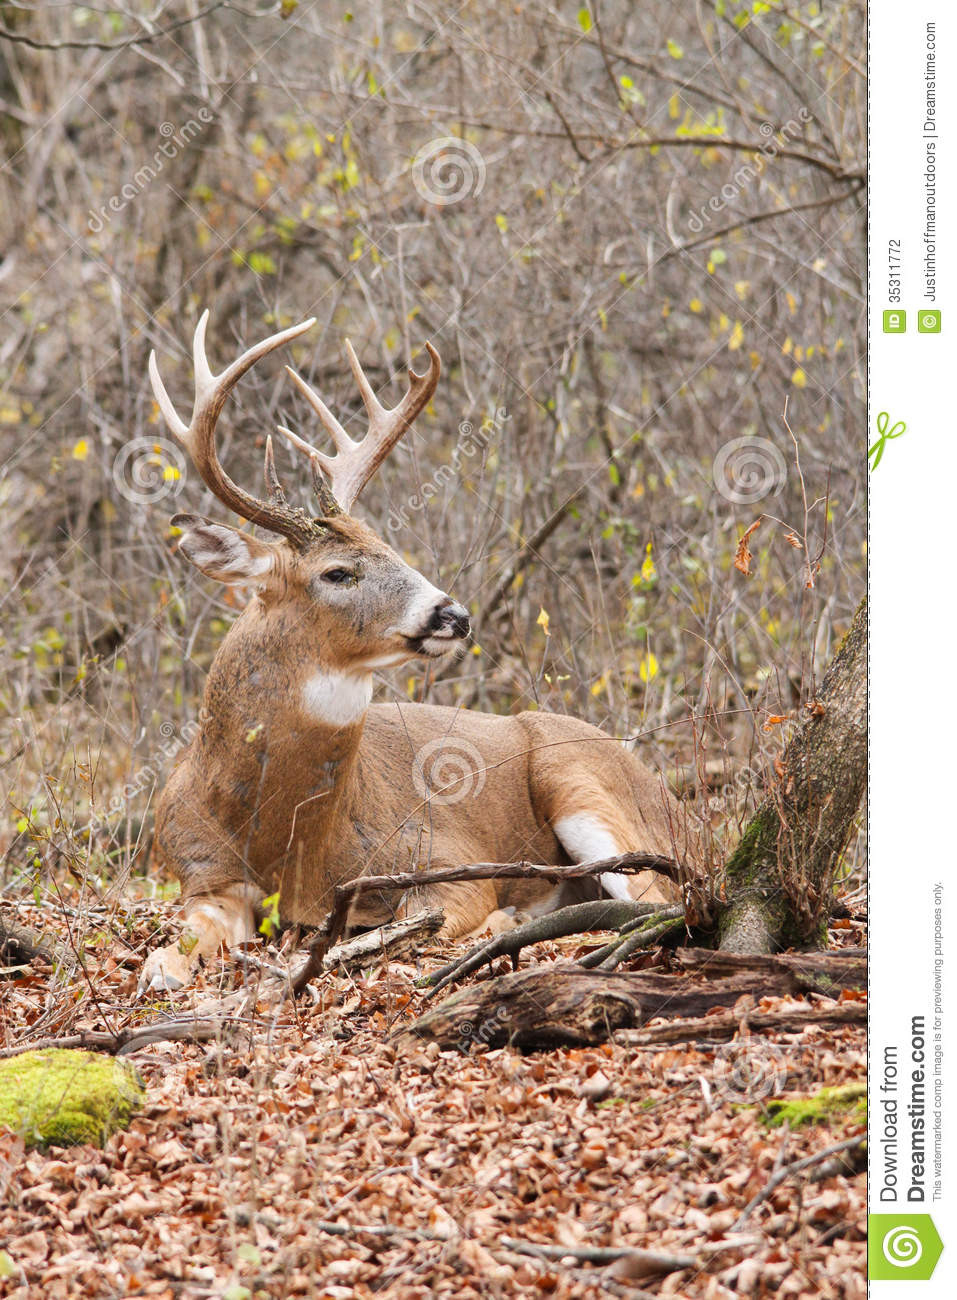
x=780 y=877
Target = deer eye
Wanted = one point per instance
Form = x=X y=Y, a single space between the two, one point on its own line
x=341 y=577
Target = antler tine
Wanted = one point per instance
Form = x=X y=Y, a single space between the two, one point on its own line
x=355 y=462
x=198 y=437
x=329 y=422
x=273 y=486
x=319 y=463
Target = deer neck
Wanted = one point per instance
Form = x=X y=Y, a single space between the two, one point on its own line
x=278 y=713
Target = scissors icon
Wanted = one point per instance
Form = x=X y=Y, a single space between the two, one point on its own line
x=887 y=432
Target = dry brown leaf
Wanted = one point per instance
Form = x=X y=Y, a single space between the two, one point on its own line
x=743 y=556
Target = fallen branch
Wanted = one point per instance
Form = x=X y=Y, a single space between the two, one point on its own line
x=346 y=894
x=723 y=1027
x=789 y=1170
x=641 y=1262
x=120 y=1042
x=364 y=949
x=599 y=914
x=651 y=1261
x=385 y=941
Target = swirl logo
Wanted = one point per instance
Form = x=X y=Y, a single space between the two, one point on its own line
x=448 y=170
x=748 y=1071
x=902 y=1246
x=747 y=470
x=448 y=770
x=148 y=469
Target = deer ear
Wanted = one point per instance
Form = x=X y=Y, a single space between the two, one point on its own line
x=224 y=553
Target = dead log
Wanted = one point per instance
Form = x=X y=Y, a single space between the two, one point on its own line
x=722 y=1027
x=20 y=945
x=562 y=1005
x=819 y=972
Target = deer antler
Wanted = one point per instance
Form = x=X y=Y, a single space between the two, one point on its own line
x=198 y=437
x=355 y=462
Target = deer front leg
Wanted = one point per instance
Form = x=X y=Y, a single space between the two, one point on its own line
x=209 y=921
x=470 y=907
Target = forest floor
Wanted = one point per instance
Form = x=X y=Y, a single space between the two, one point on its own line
x=308 y=1154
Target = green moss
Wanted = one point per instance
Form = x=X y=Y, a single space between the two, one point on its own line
x=57 y=1097
x=822 y=1107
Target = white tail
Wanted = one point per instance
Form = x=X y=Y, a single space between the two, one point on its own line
x=295 y=782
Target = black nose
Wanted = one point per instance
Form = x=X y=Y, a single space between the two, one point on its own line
x=451 y=617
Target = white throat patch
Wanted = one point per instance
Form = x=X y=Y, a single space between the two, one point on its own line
x=338 y=699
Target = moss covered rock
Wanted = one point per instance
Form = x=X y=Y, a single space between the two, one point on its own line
x=824 y=1107
x=57 y=1097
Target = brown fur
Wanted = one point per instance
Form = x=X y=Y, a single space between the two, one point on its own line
x=294 y=784
x=273 y=799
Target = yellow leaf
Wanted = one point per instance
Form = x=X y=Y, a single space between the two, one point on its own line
x=737 y=336
x=741 y=288
x=81 y=449
x=9 y=415
x=787 y=347
x=799 y=378
x=695 y=305
x=648 y=570
x=600 y=685
x=648 y=668
x=501 y=220
x=542 y=621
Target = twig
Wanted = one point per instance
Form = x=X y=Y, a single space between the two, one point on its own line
x=526 y=552
x=644 y=1261
x=797 y=1167
x=654 y=1261
x=644 y=938
x=143 y=39
x=649 y=922
x=133 y=1038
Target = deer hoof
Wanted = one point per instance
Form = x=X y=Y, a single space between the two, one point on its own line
x=164 y=972
x=497 y=922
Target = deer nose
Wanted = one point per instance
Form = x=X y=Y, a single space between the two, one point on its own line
x=451 y=617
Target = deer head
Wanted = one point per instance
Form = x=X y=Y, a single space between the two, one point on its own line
x=331 y=590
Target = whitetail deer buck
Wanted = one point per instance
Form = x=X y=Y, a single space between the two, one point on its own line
x=295 y=782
